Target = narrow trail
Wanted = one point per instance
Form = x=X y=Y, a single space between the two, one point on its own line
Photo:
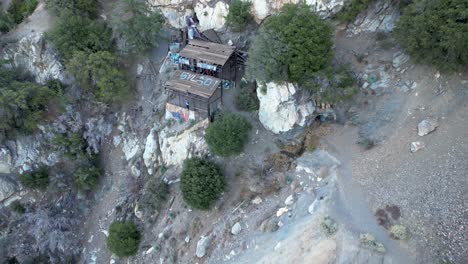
x=350 y=205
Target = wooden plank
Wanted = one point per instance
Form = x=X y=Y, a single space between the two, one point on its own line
x=189 y=82
x=207 y=51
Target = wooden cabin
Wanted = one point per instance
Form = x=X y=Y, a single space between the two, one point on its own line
x=209 y=58
x=192 y=95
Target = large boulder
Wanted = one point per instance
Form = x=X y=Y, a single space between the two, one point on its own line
x=5 y=160
x=280 y=109
x=202 y=246
x=211 y=17
x=175 y=148
x=36 y=55
x=150 y=154
x=7 y=188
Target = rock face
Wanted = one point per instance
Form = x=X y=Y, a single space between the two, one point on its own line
x=176 y=148
x=7 y=188
x=151 y=148
x=280 y=110
x=211 y=17
x=324 y=8
x=381 y=16
x=427 y=126
x=5 y=160
x=202 y=245
x=36 y=55
x=175 y=11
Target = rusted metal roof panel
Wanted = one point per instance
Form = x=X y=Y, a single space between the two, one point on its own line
x=207 y=51
x=194 y=83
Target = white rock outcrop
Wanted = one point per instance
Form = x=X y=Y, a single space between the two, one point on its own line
x=36 y=55
x=211 y=17
x=5 y=160
x=176 y=148
x=279 y=109
x=175 y=11
x=264 y=8
x=150 y=155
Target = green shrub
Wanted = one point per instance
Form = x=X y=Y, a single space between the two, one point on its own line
x=352 y=9
x=201 y=182
x=435 y=32
x=86 y=179
x=22 y=103
x=399 y=232
x=329 y=226
x=123 y=239
x=19 y=9
x=6 y=22
x=101 y=73
x=74 y=33
x=239 y=15
x=368 y=241
x=142 y=30
x=156 y=193
x=292 y=45
x=17 y=207
x=228 y=134
x=73 y=144
x=38 y=179
x=88 y=8
x=246 y=99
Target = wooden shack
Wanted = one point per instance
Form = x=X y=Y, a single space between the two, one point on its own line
x=209 y=58
x=193 y=94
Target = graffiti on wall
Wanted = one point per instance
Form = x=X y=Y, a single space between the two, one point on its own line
x=201 y=80
x=179 y=113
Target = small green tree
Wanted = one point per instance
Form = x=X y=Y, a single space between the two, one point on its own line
x=6 y=22
x=38 y=179
x=123 y=239
x=142 y=29
x=201 y=182
x=88 y=8
x=246 y=99
x=19 y=9
x=74 y=33
x=100 y=72
x=239 y=15
x=292 y=45
x=435 y=32
x=73 y=144
x=17 y=207
x=156 y=192
x=228 y=134
x=86 y=179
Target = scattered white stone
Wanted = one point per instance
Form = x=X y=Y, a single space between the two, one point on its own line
x=105 y=232
x=151 y=249
x=427 y=126
x=313 y=207
x=417 y=145
x=202 y=245
x=236 y=228
x=139 y=69
x=277 y=246
x=187 y=239
x=289 y=200
x=160 y=235
x=257 y=200
x=281 y=211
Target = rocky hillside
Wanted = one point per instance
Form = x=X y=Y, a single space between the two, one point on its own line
x=367 y=165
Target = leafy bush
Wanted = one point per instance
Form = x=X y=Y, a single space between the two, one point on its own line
x=22 y=103
x=73 y=144
x=143 y=29
x=239 y=15
x=352 y=9
x=329 y=226
x=368 y=241
x=102 y=71
x=88 y=8
x=201 y=182
x=17 y=207
x=87 y=178
x=293 y=45
x=435 y=32
x=123 y=239
x=74 y=33
x=246 y=99
x=38 y=179
x=19 y=9
x=228 y=134
x=399 y=232
x=6 y=22
x=155 y=194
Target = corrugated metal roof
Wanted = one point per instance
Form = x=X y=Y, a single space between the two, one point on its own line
x=207 y=51
x=194 y=83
